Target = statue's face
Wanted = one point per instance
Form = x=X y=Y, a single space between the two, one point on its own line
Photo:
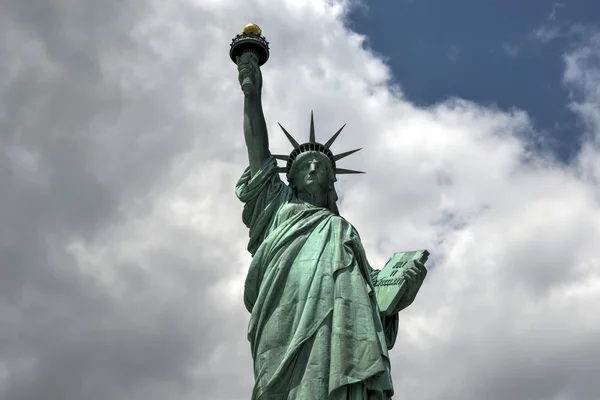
x=312 y=175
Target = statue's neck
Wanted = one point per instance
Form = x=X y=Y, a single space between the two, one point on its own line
x=316 y=199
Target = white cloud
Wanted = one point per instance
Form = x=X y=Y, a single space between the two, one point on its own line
x=582 y=76
x=513 y=235
x=512 y=50
x=547 y=33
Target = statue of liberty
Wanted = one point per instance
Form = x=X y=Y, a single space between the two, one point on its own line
x=316 y=331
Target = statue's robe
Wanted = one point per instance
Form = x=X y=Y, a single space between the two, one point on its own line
x=315 y=328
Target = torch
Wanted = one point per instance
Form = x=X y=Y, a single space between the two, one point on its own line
x=250 y=40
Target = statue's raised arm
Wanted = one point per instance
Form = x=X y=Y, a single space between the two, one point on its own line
x=255 y=127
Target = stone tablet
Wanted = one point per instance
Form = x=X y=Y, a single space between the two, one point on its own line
x=390 y=284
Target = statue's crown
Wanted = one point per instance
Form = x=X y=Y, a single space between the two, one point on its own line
x=313 y=145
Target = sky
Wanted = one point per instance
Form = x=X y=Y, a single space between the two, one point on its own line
x=440 y=49
x=122 y=250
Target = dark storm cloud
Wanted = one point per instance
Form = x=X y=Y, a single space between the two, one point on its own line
x=75 y=149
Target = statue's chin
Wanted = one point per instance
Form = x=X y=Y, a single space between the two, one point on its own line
x=313 y=188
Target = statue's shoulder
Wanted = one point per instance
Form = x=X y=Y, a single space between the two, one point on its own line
x=291 y=207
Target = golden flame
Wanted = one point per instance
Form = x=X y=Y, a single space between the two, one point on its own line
x=252 y=28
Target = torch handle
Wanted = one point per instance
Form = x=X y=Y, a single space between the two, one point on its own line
x=247 y=83
x=247 y=86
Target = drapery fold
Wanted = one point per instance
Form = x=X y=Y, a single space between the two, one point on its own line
x=315 y=329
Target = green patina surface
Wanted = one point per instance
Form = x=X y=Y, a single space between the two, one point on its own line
x=316 y=330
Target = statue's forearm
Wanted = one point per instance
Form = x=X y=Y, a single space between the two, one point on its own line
x=255 y=133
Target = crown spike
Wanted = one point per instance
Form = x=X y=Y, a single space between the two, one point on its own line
x=280 y=157
x=311 y=137
x=290 y=138
x=282 y=170
x=335 y=135
x=346 y=154
x=343 y=171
